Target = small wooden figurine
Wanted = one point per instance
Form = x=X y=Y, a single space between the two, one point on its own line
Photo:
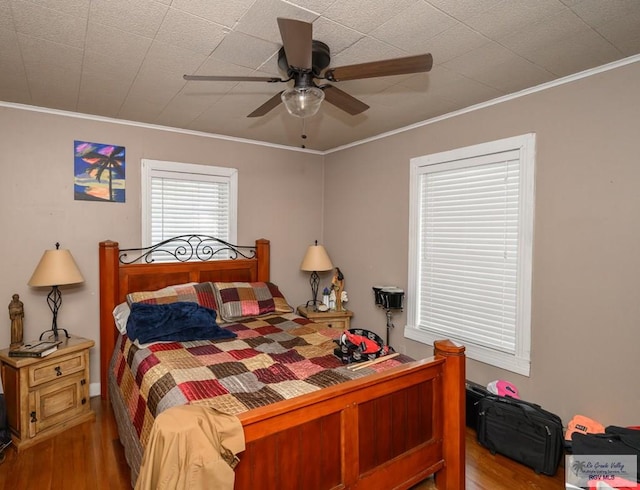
x=337 y=284
x=16 y=314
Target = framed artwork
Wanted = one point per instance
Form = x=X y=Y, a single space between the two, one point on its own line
x=99 y=172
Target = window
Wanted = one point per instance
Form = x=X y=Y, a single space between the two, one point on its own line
x=470 y=250
x=184 y=199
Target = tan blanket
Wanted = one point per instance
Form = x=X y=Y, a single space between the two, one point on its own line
x=191 y=447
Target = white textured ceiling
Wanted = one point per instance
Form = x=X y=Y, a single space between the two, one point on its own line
x=125 y=58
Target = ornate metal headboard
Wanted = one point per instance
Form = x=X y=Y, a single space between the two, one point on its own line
x=186 y=248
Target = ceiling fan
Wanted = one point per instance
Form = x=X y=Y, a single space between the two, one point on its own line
x=306 y=61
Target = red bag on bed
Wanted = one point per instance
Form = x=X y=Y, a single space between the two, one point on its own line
x=359 y=345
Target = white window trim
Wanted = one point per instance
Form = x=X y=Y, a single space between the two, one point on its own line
x=520 y=362
x=151 y=167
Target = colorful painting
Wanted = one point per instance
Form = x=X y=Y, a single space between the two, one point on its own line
x=99 y=172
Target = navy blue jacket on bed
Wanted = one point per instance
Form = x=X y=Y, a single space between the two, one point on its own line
x=176 y=322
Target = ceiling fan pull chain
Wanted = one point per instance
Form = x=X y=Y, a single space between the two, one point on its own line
x=304 y=133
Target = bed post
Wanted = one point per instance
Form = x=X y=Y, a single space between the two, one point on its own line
x=108 y=300
x=264 y=260
x=452 y=476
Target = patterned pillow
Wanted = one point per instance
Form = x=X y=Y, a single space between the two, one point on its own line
x=241 y=300
x=201 y=293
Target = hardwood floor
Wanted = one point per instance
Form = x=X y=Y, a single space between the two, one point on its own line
x=90 y=457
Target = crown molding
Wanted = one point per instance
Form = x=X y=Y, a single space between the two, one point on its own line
x=499 y=100
x=125 y=122
x=522 y=93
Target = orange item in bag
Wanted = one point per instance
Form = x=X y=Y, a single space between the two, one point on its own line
x=583 y=425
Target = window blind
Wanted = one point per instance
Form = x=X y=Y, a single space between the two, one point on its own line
x=188 y=199
x=181 y=206
x=468 y=257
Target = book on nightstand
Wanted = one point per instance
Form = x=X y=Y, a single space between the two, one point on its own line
x=36 y=348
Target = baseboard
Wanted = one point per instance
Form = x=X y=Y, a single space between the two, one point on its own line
x=94 y=389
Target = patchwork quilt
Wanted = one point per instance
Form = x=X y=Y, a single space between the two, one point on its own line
x=273 y=358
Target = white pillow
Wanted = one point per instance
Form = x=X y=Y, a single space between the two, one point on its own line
x=121 y=315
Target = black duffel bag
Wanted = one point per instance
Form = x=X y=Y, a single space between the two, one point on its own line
x=474 y=392
x=522 y=431
x=5 y=433
x=615 y=441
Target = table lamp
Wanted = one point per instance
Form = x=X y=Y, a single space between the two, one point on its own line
x=316 y=259
x=56 y=268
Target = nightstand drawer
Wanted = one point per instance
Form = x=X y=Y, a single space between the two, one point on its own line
x=340 y=324
x=56 y=368
x=339 y=320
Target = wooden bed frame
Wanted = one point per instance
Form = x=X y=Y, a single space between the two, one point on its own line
x=389 y=430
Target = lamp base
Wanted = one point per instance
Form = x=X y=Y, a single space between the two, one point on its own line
x=54 y=299
x=314 y=304
x=54 y=333
x=314 y=280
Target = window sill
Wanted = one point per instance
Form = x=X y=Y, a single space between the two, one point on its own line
x=502 y=360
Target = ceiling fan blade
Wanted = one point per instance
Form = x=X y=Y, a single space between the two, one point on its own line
x=272 y=103
x=398 y=66
x=296 y=39
x=343 y=100
x=221 y=78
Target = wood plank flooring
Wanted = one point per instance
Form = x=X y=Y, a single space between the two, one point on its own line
x=90 y=457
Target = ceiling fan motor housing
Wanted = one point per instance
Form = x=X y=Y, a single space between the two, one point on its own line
x=320 y=59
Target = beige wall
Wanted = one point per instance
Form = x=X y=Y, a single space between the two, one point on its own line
x=586 y=313
x=280 y=198
x=586 y=264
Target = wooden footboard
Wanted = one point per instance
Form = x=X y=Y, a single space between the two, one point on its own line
x=386 y=431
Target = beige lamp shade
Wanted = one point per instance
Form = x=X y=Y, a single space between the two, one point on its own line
x=56 y=268
x=316 y=259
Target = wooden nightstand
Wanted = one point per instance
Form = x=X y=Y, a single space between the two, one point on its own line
x=340 y=320
x=47 y=395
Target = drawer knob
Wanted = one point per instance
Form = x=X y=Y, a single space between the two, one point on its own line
x=58 y=370
x=84 y=400
x=33 y=417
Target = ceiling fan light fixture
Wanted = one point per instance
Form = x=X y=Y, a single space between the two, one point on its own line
x=302 y=101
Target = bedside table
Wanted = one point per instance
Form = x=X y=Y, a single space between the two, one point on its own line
x=47 y=395
x=340 y=320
